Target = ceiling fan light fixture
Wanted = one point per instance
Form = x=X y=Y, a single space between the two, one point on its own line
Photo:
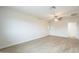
x=56 y=20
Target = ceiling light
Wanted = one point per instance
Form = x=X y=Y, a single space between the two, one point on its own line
x=56 y=17
x=56 y=20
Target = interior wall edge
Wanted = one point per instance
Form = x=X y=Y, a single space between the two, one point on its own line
x=33 y=38
x=59 y=36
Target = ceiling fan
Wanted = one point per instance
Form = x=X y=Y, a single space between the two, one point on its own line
x=55 y=17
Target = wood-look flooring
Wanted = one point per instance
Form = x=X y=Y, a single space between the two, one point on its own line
x=48 y=44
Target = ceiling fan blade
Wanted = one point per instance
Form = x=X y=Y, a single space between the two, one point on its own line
x=60 y=18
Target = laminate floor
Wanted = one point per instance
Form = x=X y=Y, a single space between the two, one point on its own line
x=48 y=44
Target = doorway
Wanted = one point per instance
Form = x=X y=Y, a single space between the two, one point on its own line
x=72 y=29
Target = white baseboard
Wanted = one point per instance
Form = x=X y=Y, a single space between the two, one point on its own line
x=33 y=38
x=64 y=36
x=59 y=36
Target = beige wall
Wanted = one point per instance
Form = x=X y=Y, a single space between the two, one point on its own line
x=18 y=27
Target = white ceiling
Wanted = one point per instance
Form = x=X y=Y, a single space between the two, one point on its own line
x=44 y=11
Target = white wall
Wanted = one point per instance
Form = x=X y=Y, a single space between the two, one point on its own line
x=18 y=27
x=60 y=28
